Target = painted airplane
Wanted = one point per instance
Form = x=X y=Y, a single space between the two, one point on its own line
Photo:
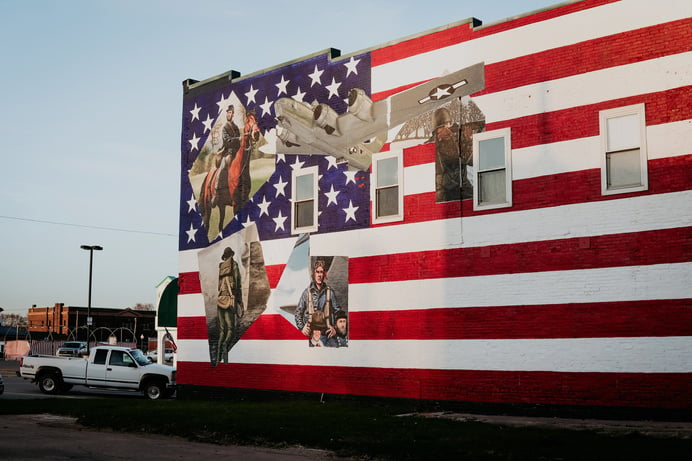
x=362 y=131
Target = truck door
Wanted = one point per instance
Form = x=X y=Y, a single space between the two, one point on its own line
x=122 y=370
x=96 y=369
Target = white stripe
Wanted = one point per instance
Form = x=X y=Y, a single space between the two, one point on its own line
x=630 y=283
x=550 y=34
x=603 y=355
x=669 y=139
x=191 y=305
x=663 y=141
x=275 y=251
x=588 y=88
x=419 y=179
x=636 y=214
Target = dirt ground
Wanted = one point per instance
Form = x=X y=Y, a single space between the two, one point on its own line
x=672 y=429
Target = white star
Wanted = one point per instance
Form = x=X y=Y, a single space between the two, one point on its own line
x=315 y=76
x=351 y=66
x=350 y=176
x=266 y=107
x=299 y=95
x=195 y=113
x=279 y=220
x=280 y=187
x=297 y=165
x=248 y=222
x=207 y=123
x=191 y=234
x=194 y=142
x=280 y=158
x=333 y=88
x=441 y=93
x=282 y=86
x=332 y=162
x=224 y=102
x=350 y=211
x=331 y=196
x=264 y=207
x=250 y=95
x=192 y=204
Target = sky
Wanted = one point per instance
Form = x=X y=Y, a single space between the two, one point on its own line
x=91 y=116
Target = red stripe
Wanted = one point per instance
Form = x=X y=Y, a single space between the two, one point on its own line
x=656 y=318
x=189 y=283
x=592 y=55
x=274 y=274
x=465 y=32
x=589 y=56
x=267 y=326
x=659 y=390
x=665 y=246
x=581 y=122
x=666 y=175
x=592 y=320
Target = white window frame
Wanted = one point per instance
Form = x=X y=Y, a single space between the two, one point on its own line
x=604 y=116
x=374 y=187
x=294 y=193
x=506 y=134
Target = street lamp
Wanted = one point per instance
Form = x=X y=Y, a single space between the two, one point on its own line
x=91 y=249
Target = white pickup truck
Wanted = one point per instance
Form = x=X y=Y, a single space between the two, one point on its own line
x=112 y=367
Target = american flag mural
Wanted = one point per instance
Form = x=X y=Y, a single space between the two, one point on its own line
x=574 y=289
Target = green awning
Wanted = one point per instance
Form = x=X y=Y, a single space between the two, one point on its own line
x=168 y=305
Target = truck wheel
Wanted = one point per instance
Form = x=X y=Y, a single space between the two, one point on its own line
x=153 y=390
x=49 y=383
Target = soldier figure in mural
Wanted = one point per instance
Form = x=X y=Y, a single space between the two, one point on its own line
x=241 y=194
x=454 y=150
x=229 y=304
x=447 y=162
x=340 y=339
x=230 y=139
x=318 y=306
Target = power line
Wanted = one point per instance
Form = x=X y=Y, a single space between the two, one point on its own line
x=132 y=231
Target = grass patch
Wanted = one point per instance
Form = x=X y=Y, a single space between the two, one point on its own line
x=366 y=431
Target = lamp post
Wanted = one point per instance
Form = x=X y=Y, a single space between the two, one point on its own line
x=91 y=249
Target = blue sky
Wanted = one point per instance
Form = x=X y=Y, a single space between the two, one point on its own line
x=91 y=98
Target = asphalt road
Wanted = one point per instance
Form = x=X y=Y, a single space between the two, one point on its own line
x=50 y=437
x=19 y=388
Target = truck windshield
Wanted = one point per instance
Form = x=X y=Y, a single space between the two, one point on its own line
x=139 y=357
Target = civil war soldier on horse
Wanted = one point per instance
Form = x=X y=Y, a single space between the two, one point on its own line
x=228 y=182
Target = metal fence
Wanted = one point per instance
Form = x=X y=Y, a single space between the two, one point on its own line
x=51 y=347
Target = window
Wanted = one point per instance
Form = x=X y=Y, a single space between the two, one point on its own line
x=304 y=188
x=120 y=359
x=623 y=144
x=100 y=357
x=492 y=185
x=387 y=187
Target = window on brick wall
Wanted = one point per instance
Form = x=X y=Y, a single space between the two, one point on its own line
x=304 y=193
x=623 y=150
x=492 y=185
x=387 y=187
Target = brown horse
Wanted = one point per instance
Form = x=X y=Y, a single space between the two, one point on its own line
x=233 y=181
